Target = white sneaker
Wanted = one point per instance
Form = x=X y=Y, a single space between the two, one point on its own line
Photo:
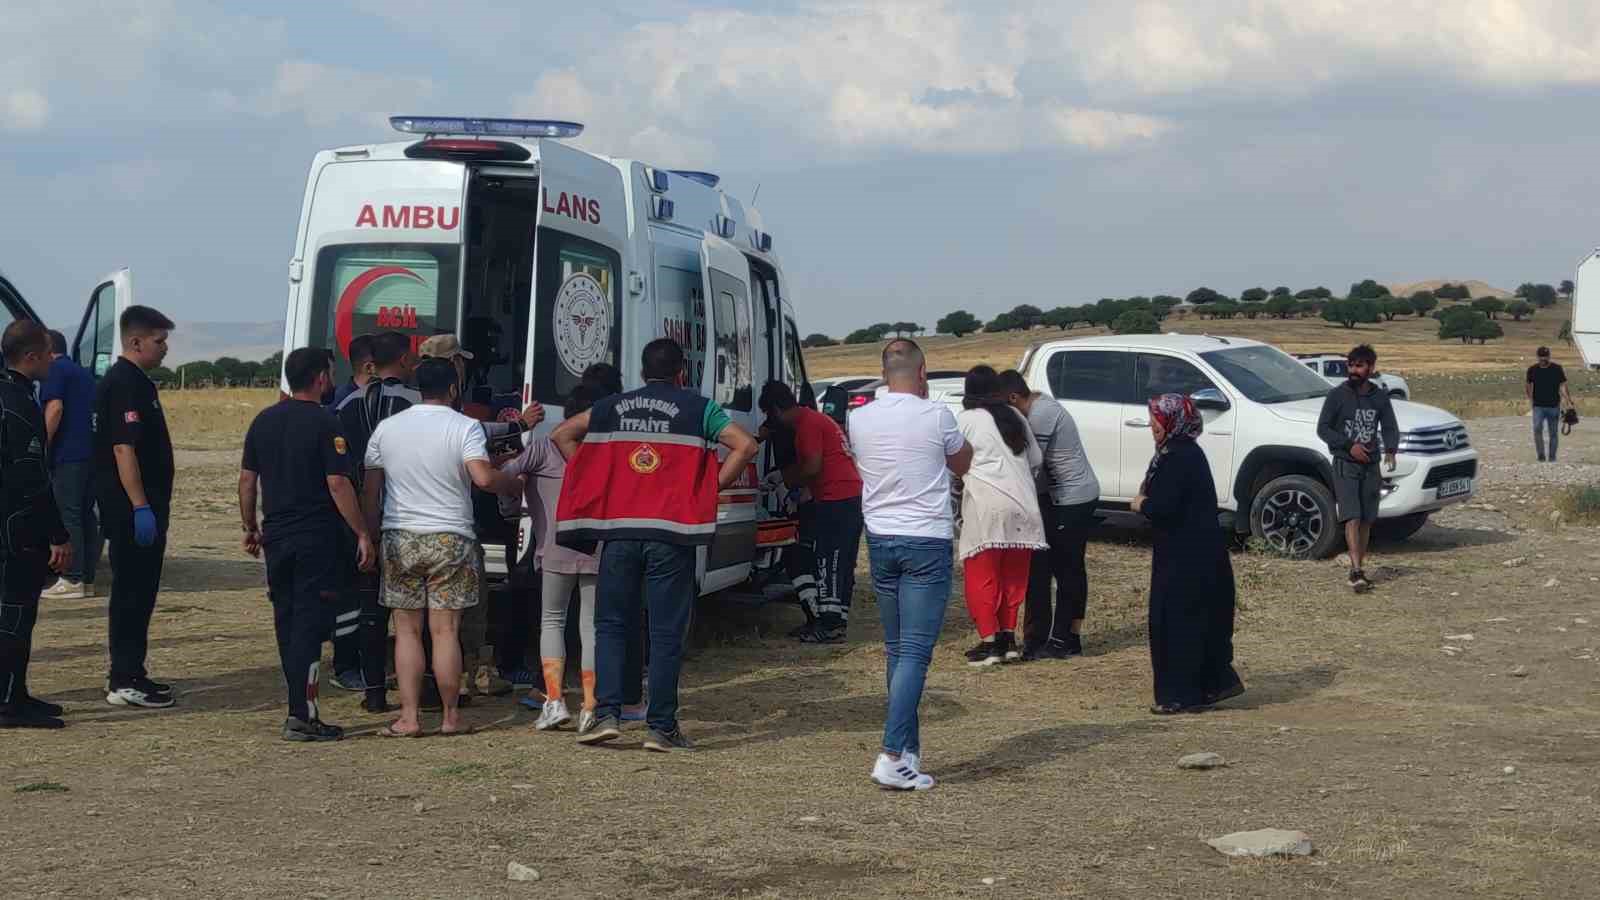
x=66 y=590
x=553 y=716
x=900 y=774
x=132 y=696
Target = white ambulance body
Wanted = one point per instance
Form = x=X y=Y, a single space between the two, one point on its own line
x=1586 y=309
x=546 y=259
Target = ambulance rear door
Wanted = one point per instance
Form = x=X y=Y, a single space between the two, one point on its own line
x=98 y=342
x=578 y=318
x=730 y=378
x=1586 y=310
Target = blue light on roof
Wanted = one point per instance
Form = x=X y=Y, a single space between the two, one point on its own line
x=708 y=179
x=523 y=128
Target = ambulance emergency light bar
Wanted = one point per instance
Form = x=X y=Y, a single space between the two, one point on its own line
x=522 y=128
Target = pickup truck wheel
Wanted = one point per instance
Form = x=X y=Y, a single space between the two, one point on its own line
x=1294 y=515
x=1399 y=528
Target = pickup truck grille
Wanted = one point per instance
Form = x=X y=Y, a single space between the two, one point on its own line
x=1433 y=441
x=1467 y=468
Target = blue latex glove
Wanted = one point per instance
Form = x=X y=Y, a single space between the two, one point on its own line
x=144 y=526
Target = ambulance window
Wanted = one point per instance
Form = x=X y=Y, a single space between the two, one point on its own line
x=368 y=288
x=92 y=346
x=579 y=293
x=794 y=369
x=730 y=322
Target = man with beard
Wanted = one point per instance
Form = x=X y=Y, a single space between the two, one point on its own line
x=1355 y=417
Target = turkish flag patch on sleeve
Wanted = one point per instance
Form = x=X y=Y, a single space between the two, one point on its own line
x=131 y=417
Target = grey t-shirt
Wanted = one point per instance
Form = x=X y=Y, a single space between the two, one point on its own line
x=1066 y=477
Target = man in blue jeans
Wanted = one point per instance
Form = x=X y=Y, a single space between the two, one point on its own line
x=1547 y=395
x=67 y=398
x=643 y=476
x=906 y=447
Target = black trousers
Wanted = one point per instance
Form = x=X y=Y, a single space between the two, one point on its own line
x=1066 y=530
x=372 y=632
x=837 y=544
x=303 y=576
x=22 y=577
x=511 y=615
x=136 y=574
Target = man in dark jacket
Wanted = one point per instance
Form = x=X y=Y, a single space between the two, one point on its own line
x=33 y=542
x=1355 y=416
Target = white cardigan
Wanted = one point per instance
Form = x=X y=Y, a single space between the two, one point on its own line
x=999 y=506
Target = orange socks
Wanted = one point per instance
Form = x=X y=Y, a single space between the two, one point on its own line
x=588 y=688
x=553 y=667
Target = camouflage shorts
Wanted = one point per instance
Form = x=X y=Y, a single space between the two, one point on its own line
x=433 y=571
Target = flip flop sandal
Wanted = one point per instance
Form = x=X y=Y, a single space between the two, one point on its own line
x=389 y=732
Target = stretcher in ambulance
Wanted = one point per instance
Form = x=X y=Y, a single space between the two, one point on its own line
x=545 y=260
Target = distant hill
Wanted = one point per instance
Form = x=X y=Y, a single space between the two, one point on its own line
x=1478 y=288
x=193 y=341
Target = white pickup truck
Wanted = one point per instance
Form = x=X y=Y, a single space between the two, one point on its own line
x=1260 y=407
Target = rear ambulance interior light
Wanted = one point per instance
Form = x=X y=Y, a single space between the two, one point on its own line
x=466 y=150
x=661 y=208
x=708 y=179
x=521 y=128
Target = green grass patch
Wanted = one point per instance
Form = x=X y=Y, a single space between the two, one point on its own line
x=1580 y=505
x=43 y=787
x=463 y=770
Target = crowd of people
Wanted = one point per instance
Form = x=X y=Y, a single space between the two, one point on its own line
x=365 y=500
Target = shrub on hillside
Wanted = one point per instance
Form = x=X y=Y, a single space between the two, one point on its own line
x=1136 y=321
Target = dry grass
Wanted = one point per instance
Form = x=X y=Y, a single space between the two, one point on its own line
x=1580 y=505
x=213 y=419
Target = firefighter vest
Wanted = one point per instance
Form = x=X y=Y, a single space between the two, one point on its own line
x=645 y=472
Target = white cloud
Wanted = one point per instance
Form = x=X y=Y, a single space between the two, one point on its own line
x=24 y=110
x=326 y=94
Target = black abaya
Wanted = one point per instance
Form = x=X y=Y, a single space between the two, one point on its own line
x=1191 y=582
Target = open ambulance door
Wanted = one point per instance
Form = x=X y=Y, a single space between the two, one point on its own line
x=98 y=342
x=730 y=381
x=1586 y=310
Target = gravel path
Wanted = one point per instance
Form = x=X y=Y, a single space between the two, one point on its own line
x=1505 y=451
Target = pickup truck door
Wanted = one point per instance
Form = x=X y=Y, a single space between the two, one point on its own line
x=1156 y=374
x=99 y=339
x=1093 y=386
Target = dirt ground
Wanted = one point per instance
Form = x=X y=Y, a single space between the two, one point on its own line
x=1360 y=727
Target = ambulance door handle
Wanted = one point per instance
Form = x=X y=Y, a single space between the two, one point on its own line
x=1137 y=423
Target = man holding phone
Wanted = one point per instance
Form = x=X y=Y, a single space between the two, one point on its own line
x=1356 y=416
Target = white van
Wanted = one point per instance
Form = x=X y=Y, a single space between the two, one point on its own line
x=545 y=260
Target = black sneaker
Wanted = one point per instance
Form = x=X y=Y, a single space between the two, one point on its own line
x=19 y=716
x=667 y=741
x=1359 y=582
x=350 y=680
x=41 y=707
x=143 y=696
x=315 y=730
x=1073 y=645
x=152 y=686
x=985 y=653
x=1047 y=650
x=823 y=634
x=1006 y=644
x=607 y=728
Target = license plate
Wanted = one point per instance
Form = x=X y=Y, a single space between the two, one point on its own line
x=1455 y=487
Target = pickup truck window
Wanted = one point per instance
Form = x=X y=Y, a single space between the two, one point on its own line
x=1159 y=375
x=1095 y=376
x=1266 y=374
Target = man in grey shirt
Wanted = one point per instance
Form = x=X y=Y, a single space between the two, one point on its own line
x=1068 y=492
x=1357 y=423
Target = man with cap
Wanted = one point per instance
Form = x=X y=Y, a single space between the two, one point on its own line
x=1547 y=395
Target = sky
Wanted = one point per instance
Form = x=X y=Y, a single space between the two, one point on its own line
x=912 y=157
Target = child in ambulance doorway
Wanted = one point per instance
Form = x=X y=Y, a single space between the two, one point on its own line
x=563 y=570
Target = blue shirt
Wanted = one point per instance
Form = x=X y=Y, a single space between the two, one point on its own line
x=74 y=387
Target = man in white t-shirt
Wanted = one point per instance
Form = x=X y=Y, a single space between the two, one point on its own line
x=906 y=447
x=421 y=465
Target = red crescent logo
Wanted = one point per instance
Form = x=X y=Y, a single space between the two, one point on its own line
x=344 y=313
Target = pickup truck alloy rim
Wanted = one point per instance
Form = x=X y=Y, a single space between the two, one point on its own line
x=1291 y=522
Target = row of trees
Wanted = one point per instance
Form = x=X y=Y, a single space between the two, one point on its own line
x=225 y=371
x=1367 y=301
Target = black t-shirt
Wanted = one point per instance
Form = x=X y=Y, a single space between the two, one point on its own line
x=360 y=412
x=127 y=410
x=294 y=446
x=1547 y=382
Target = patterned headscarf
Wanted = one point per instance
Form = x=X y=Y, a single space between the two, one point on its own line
x=1179 y=421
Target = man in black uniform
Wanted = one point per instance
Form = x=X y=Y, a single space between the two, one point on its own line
x=134 y=452
x=32 y=539
x=300 y=459
x=359 y=414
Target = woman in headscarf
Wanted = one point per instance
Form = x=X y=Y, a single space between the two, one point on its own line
x=1191 y=578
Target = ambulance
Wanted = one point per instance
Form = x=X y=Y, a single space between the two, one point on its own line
x=1586 y=310
x=545 y=260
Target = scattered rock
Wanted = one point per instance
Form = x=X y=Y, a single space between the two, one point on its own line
x=1508 y=808
x=374 y=862
x=1455 y=593
x=522 y=787
x=1201 y=761
x=1449 y=650
x=1283 y=729
x=1263 y=842
x=1515 y=562
x=1519 y=672
x=987 y=881
x=1510 y=770
x=516 y=871
x=1580 y=621
x=809 y=819
x=1344 y=560
x=1497 y=619
x=1458 y=637
x=1551 y=583
x=422 y=806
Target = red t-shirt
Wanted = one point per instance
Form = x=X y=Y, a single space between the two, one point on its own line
x=814 y=434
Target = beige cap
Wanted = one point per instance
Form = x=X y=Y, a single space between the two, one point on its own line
x=443 y=346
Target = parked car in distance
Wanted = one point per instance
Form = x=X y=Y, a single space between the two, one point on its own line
x=1334 y=369
x=1272 y=472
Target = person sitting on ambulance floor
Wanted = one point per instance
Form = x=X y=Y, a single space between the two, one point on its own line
x=362 y=370
x=296 y=456
x=477 y=651
x=422 y=465
x=651 y=496
x=824 y=467
x=67 y=396
x=384 y=395
x=564 y=570
x=35 y=542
